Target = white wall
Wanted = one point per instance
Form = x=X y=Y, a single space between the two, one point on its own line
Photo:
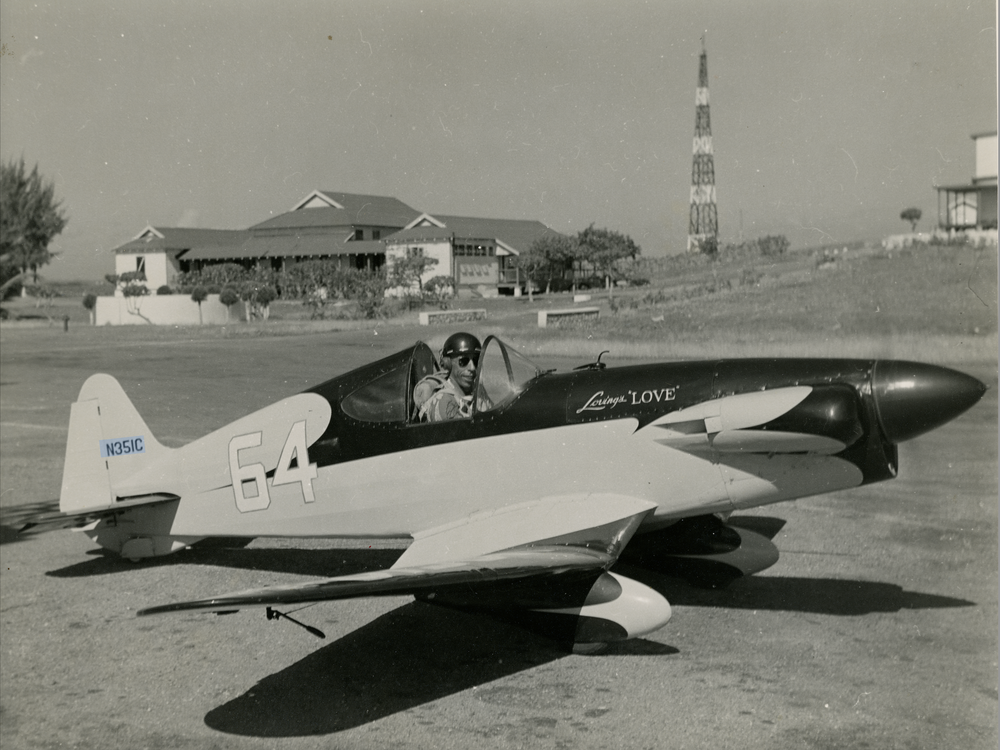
x=166 y=309
x=439 y=250
x=156 y=267
x=986 y=157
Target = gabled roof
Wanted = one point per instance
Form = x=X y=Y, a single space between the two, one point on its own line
x=424 y=220
x=514 y=234
x=169 y=239
x=326 y=208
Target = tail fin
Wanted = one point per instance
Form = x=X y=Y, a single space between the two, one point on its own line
x=108 y=441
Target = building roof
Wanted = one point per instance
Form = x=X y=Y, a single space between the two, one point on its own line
x=326 y=208
x=172 y=239
x=969 y=187
x=322 y=224
x=516 y=234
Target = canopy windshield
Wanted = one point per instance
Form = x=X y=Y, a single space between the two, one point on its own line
x=502 y=375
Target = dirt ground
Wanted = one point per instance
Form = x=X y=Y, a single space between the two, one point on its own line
x=877 y=628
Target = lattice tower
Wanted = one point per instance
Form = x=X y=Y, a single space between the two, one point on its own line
x=704 y=219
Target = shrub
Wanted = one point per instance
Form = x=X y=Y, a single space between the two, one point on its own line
x=441 y=289
x=773 y=245
x=164 y=290
x=229 y=296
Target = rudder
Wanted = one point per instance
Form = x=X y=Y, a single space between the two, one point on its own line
x=108 y=441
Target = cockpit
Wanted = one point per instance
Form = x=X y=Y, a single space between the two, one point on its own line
x=501 y=376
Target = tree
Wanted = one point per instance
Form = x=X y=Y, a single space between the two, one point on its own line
x=30 y=217
x=199 y=295
x=256 y=299
x=911 y=215
x=546 y=255
x=406 y=273
x=132 y=286
x=369 y=292
x=441 y=288
x=603 y=248
x=709 y=245
x=10 y=278
x=229 y=297
x=90 y=302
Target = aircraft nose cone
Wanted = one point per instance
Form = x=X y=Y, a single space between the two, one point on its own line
x=913 y=398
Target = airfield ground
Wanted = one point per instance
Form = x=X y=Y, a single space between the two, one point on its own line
x=876 y=629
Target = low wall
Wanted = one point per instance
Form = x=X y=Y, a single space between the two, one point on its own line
x=164 y=309
x=450 y=316
x=571 y=316
x=977 y=237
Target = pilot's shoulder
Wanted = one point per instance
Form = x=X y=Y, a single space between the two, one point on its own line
x=439 y=378
x=428 y=386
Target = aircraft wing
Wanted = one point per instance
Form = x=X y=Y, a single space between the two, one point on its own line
x=570 y=536
x=501 y=566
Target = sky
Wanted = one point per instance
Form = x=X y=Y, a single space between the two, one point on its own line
x=828 y=117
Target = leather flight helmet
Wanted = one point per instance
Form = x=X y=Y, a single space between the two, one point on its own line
x=461 y=343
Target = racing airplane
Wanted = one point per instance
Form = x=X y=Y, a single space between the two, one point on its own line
x=561 y=469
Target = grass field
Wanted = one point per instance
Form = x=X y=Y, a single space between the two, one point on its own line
x=933 y=303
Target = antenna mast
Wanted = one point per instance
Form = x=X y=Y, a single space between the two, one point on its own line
x=704 y=221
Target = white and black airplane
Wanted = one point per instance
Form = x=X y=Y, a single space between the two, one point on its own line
x=557 y=472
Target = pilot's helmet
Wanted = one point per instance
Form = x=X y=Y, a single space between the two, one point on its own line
x=461 y=343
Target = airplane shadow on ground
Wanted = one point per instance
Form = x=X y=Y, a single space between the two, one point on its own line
x=13 y=518
x=823 y=596
x=413 y=655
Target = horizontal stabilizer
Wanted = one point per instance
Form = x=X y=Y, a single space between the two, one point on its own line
x=81 y=518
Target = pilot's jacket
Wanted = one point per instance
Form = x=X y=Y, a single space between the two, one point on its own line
x=438 y=399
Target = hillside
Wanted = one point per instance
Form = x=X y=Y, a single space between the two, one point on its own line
x=862 y=300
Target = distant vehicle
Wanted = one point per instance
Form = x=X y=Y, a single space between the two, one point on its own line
x=521 y=509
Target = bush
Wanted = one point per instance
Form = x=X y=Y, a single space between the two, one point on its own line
x=441 y=289
x=709 y=246
x=229 y=296
x=164 y=290
x=773 y=245
x=369 y=292
x=90 y=301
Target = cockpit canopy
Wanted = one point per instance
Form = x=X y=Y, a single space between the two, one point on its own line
x=501 y=376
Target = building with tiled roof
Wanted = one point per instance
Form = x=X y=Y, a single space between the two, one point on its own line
x=358 y=231
x=479 y=254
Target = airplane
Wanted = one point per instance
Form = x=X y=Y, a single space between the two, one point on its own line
x=521 y=509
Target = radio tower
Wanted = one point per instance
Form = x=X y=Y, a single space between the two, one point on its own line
x=704 y=223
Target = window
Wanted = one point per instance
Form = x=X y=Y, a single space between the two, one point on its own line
x=502 y=375
x=359 y=234
x=376 y=234
x=480 y=251
x=140 y=264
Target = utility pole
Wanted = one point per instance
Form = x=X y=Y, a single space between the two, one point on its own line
x=704 y=221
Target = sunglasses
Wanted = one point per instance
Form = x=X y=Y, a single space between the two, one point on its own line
x=464 y=361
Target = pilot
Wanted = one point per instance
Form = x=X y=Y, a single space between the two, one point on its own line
x=447 y=394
